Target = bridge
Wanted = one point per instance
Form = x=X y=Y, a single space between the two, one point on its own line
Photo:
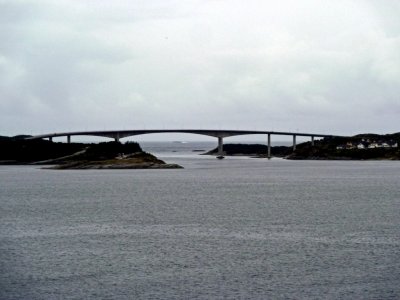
x=219 y=134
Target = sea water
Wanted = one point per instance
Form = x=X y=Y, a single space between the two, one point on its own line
x=237 y=228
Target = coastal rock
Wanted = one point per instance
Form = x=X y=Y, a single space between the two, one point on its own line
x=109 y=165
x=138 y=160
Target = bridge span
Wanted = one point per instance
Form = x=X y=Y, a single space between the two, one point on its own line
x=217 y=133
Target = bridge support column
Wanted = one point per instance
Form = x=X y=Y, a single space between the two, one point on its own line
x=50 y=139
x=116 y=138
x=294 y=142
x=220 y=147
x=269 y=146
x=68 y=139
x=312 y=141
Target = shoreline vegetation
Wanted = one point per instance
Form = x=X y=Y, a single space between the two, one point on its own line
x=62 y=156
x=359 y=147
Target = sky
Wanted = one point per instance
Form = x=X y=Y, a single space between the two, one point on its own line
x=318 y=66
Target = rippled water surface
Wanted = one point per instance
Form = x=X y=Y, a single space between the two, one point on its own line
x=236 y=228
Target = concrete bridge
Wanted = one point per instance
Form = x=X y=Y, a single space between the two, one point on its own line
x=219 y=134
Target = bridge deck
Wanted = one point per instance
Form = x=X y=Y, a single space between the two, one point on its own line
x=214 y=133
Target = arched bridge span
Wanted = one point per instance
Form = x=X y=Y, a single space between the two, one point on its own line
x=217 y=133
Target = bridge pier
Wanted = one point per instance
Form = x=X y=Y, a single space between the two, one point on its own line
x=220 y=153
x=269 y=146
x=294 y=142
x=50 y=139
x=312 y=141
x=68 y=139
x=116 y=138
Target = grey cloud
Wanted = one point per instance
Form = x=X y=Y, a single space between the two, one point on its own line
x=315 y=66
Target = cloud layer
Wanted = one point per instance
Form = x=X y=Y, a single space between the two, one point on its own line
x=318 y=66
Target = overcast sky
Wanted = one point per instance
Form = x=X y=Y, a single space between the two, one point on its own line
x=301 y=65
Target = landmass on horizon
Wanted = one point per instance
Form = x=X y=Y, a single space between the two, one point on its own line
x=358 y=147
x=115 y=155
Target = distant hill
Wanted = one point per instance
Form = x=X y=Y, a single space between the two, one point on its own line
x=388 y=136
x=17 y=137
x=18 y=150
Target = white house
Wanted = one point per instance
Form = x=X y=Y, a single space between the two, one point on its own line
x=373 y=145
x=360 y=146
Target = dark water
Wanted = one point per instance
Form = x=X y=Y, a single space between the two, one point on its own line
x=237 y=228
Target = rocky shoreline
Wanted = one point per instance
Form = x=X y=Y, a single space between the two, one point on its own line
x=112 y=166
x=138 y=160
x=78 y=156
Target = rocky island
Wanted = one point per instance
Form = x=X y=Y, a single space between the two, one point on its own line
x=253 y=150
x=60 y=156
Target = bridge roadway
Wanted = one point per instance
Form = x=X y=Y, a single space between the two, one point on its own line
x=220 y=134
